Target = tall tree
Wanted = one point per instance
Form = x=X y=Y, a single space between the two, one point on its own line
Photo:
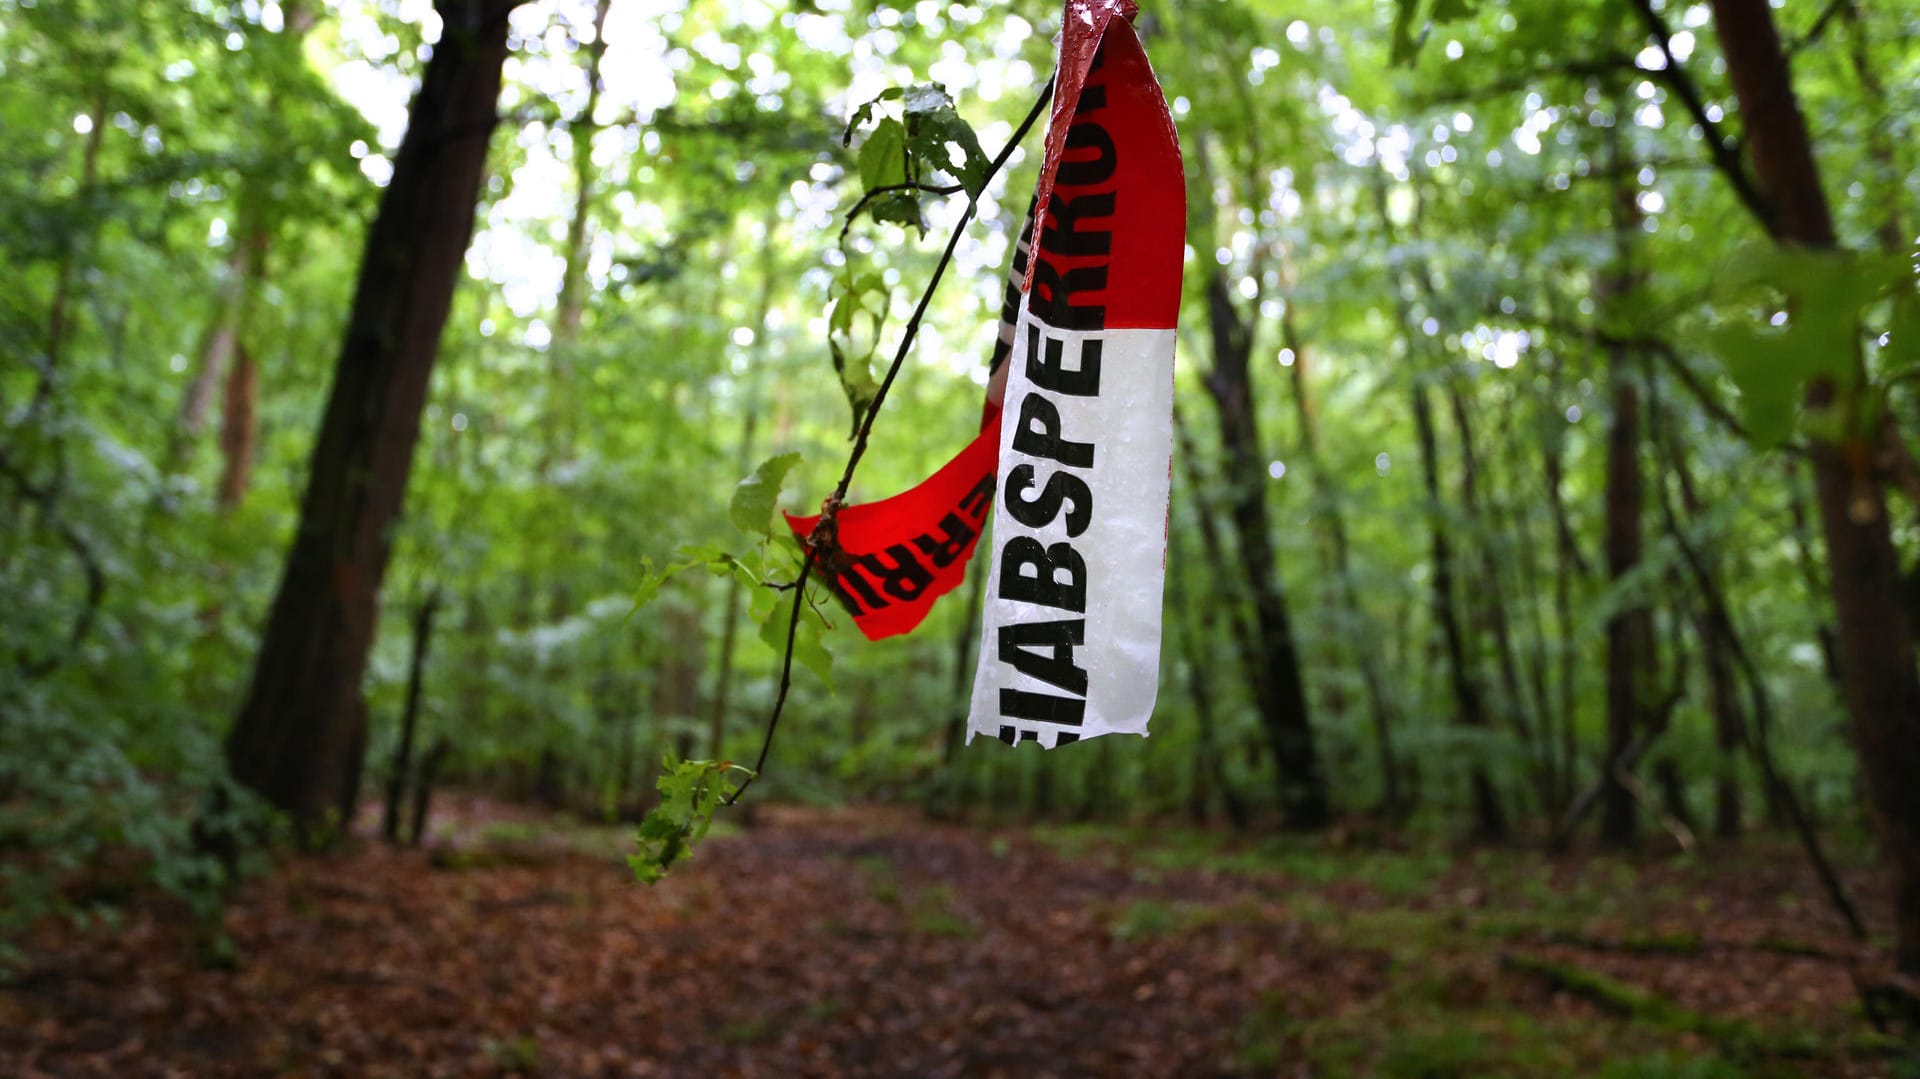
x=1486 y=590
x=1878 y=677
x=300 y=736
x=1331 y=504
x=1489 y=820
x=1279 y=687
x=1630 y=625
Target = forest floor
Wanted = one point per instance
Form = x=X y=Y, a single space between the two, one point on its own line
x=869 y=941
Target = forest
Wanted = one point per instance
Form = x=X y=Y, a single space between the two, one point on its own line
x=404 y=668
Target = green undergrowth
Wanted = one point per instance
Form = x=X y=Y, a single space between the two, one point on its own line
x=1463 y=940
x=1431 y=1044
x=1395 y=874
x=1448 y=1024
x=1498 y=881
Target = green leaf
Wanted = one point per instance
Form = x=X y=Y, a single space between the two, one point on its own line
x=649 y=587
x=854 y=323
x=865 y=112
x=883 y=157
x=935 y=132
x=924 y=99
x=900 y=208
x=1407 y=15
x=1766 y=368
x=856 y=379
x=690 y=792
x=809 y=644
x=755 y=499
x=651 y=580
x=1826 y=296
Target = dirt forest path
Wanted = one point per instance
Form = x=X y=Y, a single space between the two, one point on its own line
x=869 y=942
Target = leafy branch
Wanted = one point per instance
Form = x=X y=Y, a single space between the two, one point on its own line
x=897 y=163
x=823 y=539
x=692 y=790
x=689 y=793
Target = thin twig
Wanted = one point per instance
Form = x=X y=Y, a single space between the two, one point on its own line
x=893 y=189
x=1602 y=66
x=1664 y=349
x=1819 y=27
x=828 y=519
x=45 y=496
x=1726 y=154
x=1755 y=742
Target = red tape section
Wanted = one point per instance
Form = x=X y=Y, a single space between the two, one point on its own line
x=1113 y=232
x=896 y=556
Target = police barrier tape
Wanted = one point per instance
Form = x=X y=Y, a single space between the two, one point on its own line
x=1080 y=454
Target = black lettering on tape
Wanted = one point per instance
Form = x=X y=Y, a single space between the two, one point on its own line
x=1029 y=573
x=1051 y=300
x=1065 y=234
x=851 y=580
x=1047 y=365
x=905 y=579
x=1040 y=510
x=977 y=500
x=1085 y=171
x=1044 y=439
x=1044 y=650
x=1044 y=707
x=943 y=550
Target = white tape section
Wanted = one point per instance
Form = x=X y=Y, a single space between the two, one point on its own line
x=1070 y=644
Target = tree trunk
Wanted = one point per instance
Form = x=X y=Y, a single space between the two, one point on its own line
x=943 y=794
x=572 y=304
x=409 y=717
x=676 y=686
x=293 y=741
x=246 y=269
x=1240 y=629
x=423 y=789
x=623 y=793
x=1488 y=595
x=570 y=307
x=1755 y=737
x=1533 y=592
x=1328 y=495
x=1825 y=635
x=1197 y=623
x=1489 y=820
x=1889 y=179
x=1876 y=643
x=238 y=427
x=1278 y=685
x=1717 y=648
x=246 y=273
x=59 y=313
x=1630 y=628
x=1568 y=563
